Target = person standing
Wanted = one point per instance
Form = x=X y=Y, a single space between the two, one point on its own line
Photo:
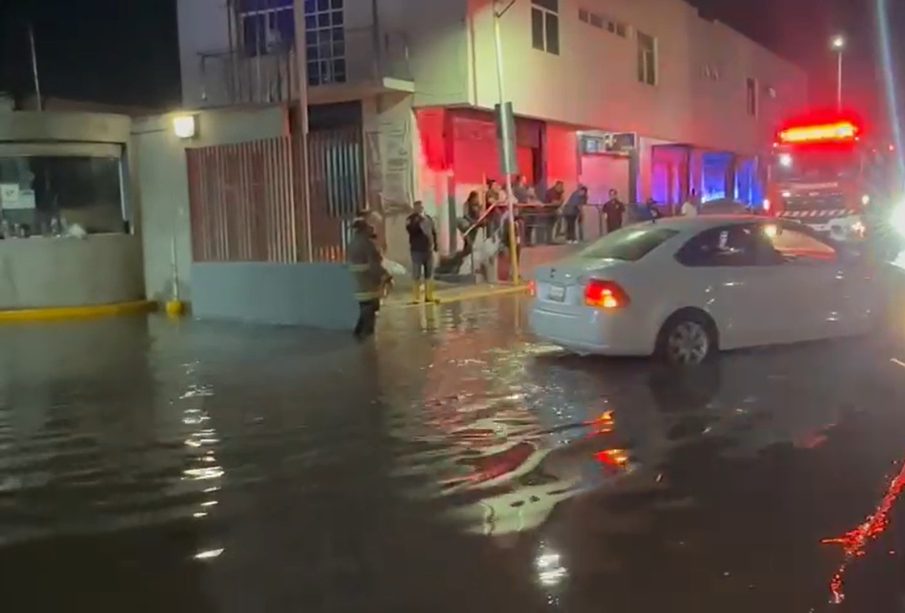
x=555 y=198
x=422 y=244
x=690 y=207
x=366 y=265
x=653 y=211
x=614 y=210
x=521 y=189
x=571 y=212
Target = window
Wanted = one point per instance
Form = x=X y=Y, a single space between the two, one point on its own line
x=711 y=73
x=45 y=194
x=545 y=25
x=325 y=38
x=596 y=20
x=751 y=96
x=797 y=244
x=628 y=244
x=268 y=27
x=647 y=59
x=728 y=246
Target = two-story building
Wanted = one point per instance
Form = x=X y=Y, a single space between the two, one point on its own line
x=644 y=96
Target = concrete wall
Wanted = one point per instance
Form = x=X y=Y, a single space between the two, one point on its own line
x=391 y=146
x=314 y=295
x=432 y=30
x=161 y=182
x=64 y=126
x=203 y=27
x=593 y=82
x=59 y=272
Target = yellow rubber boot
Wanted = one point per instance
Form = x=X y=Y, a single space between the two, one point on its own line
x=429 y=291
x=416 y=293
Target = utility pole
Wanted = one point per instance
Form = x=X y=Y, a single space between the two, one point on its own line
x=304 y=195
x=508 y=153
x=34 y=67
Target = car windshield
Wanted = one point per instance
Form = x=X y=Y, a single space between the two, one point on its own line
x=817 y=165
x=628 y=244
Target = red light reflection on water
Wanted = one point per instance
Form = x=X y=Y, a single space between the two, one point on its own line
x=854 y=542
x=605 y=424
x=613 y=459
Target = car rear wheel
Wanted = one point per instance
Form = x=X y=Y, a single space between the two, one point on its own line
x=687 y=339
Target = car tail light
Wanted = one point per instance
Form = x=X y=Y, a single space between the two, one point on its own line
x=532 y=289
x=605 y=295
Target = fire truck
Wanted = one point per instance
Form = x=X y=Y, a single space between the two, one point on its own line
x=823 y=175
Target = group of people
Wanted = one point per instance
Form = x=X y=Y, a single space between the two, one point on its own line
x=372 y=279
x=365 y=254
x=555 y=215
x=567 y=213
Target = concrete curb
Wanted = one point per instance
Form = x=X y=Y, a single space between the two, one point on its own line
x=82 y=312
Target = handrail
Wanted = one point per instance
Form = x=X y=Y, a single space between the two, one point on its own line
x=505 y=207
x=480 y=220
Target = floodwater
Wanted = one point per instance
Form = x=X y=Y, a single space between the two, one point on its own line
x=453 y=465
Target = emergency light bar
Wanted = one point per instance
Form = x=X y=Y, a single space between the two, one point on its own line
x=823 y=133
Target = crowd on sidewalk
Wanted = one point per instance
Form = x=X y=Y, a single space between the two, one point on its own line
x=556 y=219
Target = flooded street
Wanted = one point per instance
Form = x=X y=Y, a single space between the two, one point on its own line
x=455 y=465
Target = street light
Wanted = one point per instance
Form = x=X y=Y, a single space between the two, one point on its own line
x=838 y=45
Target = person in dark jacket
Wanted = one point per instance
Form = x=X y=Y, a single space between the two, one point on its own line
x=653 y=211
x=555 y=198
x=571 y=212
x=521 y=189
x=614 y=210
x=422 y=245
x=366 y=265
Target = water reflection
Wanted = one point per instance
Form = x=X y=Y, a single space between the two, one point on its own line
x=854 y=542
x=550 y=569
x=212 y=468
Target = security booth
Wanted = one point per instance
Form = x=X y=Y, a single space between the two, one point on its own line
x=67 y=233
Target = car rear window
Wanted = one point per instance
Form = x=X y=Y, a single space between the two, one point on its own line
x=628 y=244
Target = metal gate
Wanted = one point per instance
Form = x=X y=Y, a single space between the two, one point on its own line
x=245 y=205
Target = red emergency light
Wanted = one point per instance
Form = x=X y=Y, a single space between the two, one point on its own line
x=837 y=132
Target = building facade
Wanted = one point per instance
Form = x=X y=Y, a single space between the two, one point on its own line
x=644 y=96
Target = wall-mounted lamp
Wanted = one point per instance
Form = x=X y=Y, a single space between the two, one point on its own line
x=185 y=126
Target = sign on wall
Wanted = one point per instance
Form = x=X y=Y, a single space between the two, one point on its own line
x=396 y=163
x=613 y=143
x=14 y=199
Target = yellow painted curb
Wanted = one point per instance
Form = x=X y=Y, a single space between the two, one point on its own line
x=488 y=292
x=477 y=294
x=82 y=312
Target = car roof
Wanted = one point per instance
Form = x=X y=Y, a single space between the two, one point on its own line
x=700 y=223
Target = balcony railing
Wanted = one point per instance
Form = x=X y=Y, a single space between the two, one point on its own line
x=364 y=56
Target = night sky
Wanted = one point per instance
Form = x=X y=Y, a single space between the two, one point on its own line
x=800 y=30
x=115 y=51
x=125 y=51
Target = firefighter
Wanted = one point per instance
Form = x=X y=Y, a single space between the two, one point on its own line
x=366 y=265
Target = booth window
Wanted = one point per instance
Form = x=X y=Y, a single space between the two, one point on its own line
x=47 y=195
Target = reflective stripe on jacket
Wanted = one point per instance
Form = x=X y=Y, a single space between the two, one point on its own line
x=364 y=261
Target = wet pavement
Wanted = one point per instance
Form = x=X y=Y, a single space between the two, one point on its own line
x=455 y=465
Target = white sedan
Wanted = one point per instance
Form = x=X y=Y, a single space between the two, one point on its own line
x=685 y=287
